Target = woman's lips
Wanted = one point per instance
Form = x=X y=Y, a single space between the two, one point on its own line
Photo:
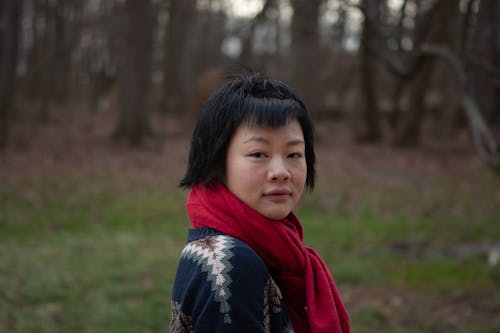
x=278 y=195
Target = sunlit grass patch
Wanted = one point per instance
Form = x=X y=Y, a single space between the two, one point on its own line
x=427 y=253
x=444 y=274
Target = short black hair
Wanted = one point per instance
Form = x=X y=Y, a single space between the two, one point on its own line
x=251 y=99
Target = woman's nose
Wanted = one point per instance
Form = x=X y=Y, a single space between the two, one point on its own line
x=278 y=170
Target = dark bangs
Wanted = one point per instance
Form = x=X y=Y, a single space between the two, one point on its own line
x=270 y=112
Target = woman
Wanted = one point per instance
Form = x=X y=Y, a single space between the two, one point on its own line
x=244 y=267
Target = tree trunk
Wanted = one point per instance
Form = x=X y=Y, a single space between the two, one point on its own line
x=246 y=57
x=10 y=12
x=437 y=31
x=305 y=53
x=67 y=17
x=408 y=130
x=135 y=76
x=181 y=14
x=44 y=83
x=370 y=111
x=485 y=45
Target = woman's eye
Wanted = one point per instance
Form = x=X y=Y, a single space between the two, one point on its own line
x=258 y=155
x=295 y=155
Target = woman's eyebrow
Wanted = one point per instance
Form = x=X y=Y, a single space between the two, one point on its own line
x=257 y=138
x=295 y=142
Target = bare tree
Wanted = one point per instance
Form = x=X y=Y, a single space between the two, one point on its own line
x=370 y=111
x=135 y=75
x=43 y=56
x=246 y=56
x=305 y=52
x=435 y=42
x=440 y=31
x=67 y=16
x=10 y=12
x=100 y=58
x=433 y=27
x=483 y=43
x=181 y=15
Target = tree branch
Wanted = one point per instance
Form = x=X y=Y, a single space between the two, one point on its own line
x=484 y=140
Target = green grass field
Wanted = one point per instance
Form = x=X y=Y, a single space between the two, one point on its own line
x=93 y=253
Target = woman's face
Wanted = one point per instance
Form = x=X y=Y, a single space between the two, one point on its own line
x=266 y=168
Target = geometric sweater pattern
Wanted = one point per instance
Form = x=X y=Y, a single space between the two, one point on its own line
x=222 y=285
x=212 y=254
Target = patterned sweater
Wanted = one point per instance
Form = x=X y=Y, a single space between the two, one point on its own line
x=222 y=285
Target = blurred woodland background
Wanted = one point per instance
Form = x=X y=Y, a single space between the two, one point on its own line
x=97 y=102
x=389 y=67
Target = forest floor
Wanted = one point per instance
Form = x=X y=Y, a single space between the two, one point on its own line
x=412 y=236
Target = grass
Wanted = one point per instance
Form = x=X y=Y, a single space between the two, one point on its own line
x=98 y=254
x=87 y=282
x=88 y=256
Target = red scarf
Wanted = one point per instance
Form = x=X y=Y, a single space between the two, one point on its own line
x=303 y=277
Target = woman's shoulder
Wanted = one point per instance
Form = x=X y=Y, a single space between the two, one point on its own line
x=209 y=245
x=223 y=285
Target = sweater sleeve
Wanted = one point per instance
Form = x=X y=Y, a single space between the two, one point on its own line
x=249 y=277
x=223 y=286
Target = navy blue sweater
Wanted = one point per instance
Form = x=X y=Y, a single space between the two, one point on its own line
x=222 y=285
